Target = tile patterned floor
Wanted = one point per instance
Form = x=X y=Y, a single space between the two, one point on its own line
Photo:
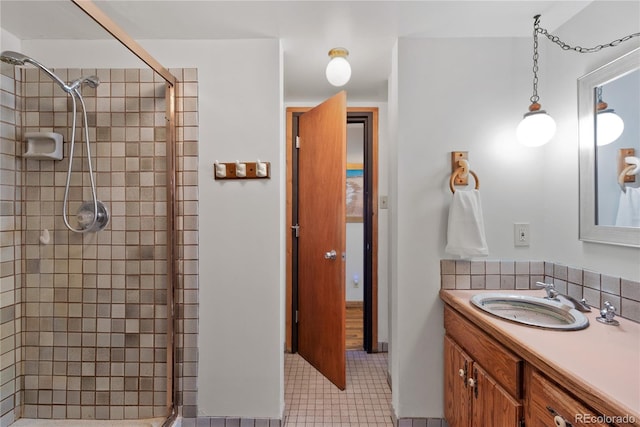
x=311 y=400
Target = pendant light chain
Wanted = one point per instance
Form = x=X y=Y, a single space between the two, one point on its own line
x=579 y=49
x=536 y=26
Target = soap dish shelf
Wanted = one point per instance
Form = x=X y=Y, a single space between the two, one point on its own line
x=43 y=146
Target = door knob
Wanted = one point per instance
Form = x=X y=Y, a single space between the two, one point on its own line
x=330 y=255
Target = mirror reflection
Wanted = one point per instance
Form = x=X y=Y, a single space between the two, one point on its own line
x=617 y=140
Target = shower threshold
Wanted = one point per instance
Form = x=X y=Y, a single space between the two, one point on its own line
x=148 y=422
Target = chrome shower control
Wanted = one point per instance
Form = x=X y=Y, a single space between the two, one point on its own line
x=85 y=217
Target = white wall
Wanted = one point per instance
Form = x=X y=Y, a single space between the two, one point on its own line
x=355 y=262
x=469 y=94
x=442 y=107
x=392 y=225
x=9 y=42
x=593 y=26
x=241 y=361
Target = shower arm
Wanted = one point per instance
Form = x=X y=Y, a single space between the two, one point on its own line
x=75 y=93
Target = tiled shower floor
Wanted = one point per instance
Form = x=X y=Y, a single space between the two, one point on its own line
x=311 y=400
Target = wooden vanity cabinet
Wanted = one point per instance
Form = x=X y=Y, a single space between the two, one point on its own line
x=482 y=379
x=549 y=405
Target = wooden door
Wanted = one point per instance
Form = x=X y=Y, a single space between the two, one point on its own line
x=457 y=397
x=322 y=157
x=492 y=405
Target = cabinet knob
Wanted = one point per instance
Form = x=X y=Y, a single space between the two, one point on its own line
x=461 y=372
x=559 y=421
x=471 y=382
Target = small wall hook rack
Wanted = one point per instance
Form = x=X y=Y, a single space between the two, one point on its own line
x=242 y=170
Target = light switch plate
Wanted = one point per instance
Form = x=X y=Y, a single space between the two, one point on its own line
x=521 y=235
x=384 y=202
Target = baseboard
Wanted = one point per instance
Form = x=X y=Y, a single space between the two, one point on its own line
x=421 y=422
x=231 y=422
x=417 y=422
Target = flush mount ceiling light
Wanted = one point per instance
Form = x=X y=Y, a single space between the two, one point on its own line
x=338 y=69
x=537 y=127
x=609 y=125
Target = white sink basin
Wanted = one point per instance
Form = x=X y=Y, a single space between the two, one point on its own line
x=531 y=311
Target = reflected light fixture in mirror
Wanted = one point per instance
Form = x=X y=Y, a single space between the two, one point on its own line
x=609 y=125
x=537 y=127
x=338 y=69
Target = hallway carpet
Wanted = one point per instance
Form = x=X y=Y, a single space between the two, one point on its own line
x=311 y=400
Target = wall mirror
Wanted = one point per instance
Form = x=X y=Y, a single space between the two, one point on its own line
x=609 y=209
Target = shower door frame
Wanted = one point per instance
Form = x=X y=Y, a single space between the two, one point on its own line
x=120 y=35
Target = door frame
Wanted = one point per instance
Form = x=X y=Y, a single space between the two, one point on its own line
x=369 y=115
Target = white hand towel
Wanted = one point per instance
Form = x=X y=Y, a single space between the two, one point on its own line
x=465 y=233
x=629 y=208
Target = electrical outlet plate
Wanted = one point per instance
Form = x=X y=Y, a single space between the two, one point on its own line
x=521 y=235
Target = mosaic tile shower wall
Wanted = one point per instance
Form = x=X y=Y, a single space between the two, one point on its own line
x=10 y=243
x=92 y=307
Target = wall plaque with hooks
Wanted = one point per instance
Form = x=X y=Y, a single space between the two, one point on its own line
x=242 y=170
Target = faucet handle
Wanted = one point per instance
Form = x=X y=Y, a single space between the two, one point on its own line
x=607 y=314
x=549 y=288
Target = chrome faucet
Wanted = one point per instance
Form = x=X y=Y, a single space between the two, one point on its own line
x=549 y=288
x=607 y=314
x=552 y=293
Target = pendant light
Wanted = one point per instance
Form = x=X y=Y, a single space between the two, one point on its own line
x=338 y=69
x=537 y=127
x=609 y=125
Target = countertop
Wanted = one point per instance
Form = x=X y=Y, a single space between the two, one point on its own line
x=600 y=364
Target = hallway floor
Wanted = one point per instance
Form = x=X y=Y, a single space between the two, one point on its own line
x=311 y=400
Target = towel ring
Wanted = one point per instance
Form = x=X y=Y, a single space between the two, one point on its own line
x=456 y=173
x=624 y=173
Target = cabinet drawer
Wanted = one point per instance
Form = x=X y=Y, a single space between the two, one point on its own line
x=545 y=401
x=503 y=366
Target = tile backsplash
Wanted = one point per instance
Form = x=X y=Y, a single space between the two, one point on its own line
x=595 y=287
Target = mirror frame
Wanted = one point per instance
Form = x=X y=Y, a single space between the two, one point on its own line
x=589 y=230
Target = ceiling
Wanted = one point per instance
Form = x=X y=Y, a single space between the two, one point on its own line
x=307 y=29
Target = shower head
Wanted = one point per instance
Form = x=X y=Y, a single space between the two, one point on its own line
x=13 y=58
x=16 y=58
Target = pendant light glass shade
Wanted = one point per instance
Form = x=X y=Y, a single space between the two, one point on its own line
x=338 y=69
x=609 y=127
x=536 y=128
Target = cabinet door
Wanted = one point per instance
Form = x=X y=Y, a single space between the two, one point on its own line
x=549 y=405
x=492 y=405
x=457 y=399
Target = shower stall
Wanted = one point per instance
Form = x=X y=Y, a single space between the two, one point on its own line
x=99 y=249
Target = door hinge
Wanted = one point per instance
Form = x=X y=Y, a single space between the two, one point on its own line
x=296 y=316
x=521 y=424
x=296 y=230
x=297 y=142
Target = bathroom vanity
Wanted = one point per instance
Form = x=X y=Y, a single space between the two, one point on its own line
x=499 y=373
